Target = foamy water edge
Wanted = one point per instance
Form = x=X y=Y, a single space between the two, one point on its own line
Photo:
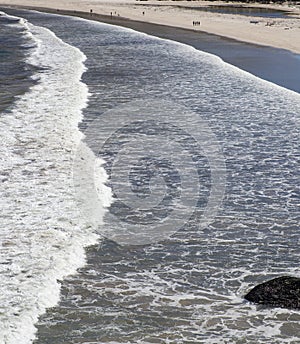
x=44 y=235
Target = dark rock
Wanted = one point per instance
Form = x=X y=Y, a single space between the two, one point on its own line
x=281 y=292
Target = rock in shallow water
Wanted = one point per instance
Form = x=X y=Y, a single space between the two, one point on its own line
x=281 y=292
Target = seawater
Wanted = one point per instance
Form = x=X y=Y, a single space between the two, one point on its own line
x=15 y=73
x=186 y=288
x=42 y=235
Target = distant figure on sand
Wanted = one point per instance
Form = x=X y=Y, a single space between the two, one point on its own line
x=196 y=23
x=91 y=11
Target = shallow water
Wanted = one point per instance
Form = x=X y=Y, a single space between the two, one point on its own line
x=41 y=227
x=246 y=11
x=15 y=73
x=171 y=115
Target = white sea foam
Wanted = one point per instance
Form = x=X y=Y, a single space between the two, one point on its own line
x=42 y=233
x=216 y=309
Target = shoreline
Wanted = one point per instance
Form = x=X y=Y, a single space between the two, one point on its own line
x=278 y=66
x=252 y=123
x=277 y=32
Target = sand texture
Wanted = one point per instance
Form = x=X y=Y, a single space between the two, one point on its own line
x=276 y=32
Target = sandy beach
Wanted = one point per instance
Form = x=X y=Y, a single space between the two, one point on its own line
x=199 y=137
x=280 y=32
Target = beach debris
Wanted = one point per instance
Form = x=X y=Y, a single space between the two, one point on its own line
x=281 y=292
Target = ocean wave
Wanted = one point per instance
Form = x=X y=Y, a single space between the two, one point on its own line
x=42 y=234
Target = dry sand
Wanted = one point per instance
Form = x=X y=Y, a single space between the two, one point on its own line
x=278 y=32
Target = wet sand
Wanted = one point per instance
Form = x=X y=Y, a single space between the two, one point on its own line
x=278 y=32
x=279 y=66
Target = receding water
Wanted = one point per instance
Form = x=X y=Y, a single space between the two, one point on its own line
x=181 y=133
x=245 y=11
